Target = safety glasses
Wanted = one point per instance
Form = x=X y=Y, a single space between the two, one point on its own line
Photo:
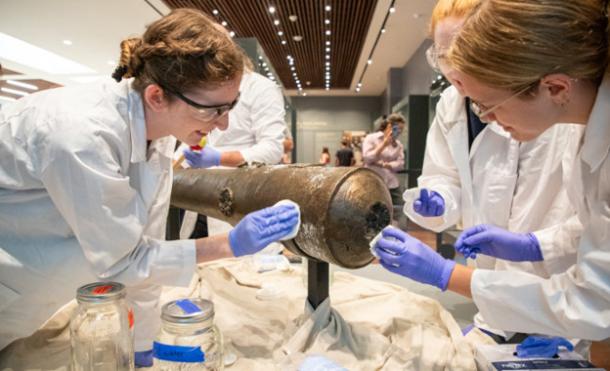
x=482 y=111
x=434 y=57
x=205 y=113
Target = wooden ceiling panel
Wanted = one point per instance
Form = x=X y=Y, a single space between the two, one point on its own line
x=349 y=23
x=40 y=84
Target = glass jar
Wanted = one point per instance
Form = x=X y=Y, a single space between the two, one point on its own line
x=188 y=339
x=101 y=329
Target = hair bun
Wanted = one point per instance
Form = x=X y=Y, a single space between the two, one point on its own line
x=119 y=72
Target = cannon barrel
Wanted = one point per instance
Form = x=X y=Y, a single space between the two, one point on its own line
x=342 y=208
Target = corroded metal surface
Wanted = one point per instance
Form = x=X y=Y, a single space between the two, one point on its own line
x=342 y=208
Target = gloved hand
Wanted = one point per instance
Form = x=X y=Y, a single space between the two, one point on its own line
x=500 y=243
x=540 y=346
x=144 y=358
x=429 y=203
x=402 y=254
x=260 y=228
x=206 y=157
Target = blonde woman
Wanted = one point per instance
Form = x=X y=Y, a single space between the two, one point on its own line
x=474 y=173
x=85 y=179
x=529 y=65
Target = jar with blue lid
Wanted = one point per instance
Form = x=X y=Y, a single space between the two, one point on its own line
x=188 y=339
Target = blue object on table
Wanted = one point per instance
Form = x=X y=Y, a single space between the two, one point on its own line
x=541 y=346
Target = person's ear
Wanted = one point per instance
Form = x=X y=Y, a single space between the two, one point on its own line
x=155 y=98
x=558 y=87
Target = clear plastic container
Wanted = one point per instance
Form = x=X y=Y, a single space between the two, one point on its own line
x=101 y=329
x=188 y=339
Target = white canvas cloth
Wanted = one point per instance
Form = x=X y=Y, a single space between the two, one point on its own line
x=367 y=325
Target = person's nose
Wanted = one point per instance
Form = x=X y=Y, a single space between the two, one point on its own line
x=222 y=123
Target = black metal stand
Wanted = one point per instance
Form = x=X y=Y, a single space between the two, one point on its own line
x=172 y=231
x=317 y=282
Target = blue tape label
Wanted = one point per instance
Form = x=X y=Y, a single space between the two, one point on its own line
x=178 y=353
x=188 y=306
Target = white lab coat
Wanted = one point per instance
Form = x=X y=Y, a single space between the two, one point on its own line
x=516 y=186
x=82 y=199
x=256 y=130
x=575 y=303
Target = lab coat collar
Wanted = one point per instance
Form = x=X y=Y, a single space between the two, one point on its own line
x=597 y=135
x=137 y=124
x=456 y=112
x=493 y=126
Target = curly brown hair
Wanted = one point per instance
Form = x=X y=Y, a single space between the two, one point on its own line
x=183 y=50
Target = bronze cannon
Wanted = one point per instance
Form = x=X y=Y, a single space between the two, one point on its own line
x=342 y=208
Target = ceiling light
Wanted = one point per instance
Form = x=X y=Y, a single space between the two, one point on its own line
x=67 y=42
x=392 y=10
x=271 y=9
x=304 y=94
x=215 y=11
x=327 y=21
x=293 y=18
x=283 y=42
x=327 y=56
x=359 y=84
x=328 y=50
x=383 y=30
x=357 y=90
x=276 y=22
x=370 y=61
x=327 y=8
x=327 y=32
x=297 y=38
x=327 y=88
x=292 y=68
x=280 y=33
x=22 y=84
x=260 y=57
x=8 y=99
x=328 y=63
x=224 y=23
x=15 y=91
x=232 y=34
x=327 y=42
x=289 y=56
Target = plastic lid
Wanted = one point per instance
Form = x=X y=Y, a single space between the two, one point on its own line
x=100 y=292
x=188 y=311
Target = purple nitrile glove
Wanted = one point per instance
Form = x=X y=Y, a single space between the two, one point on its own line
x=541 y=346
x=500 y=243
x=143 y=358
x=260 y=228
x=206 y=157
x=429 y=203
x=402 y=254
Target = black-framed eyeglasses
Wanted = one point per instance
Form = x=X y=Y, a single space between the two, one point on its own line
x=206 y=112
